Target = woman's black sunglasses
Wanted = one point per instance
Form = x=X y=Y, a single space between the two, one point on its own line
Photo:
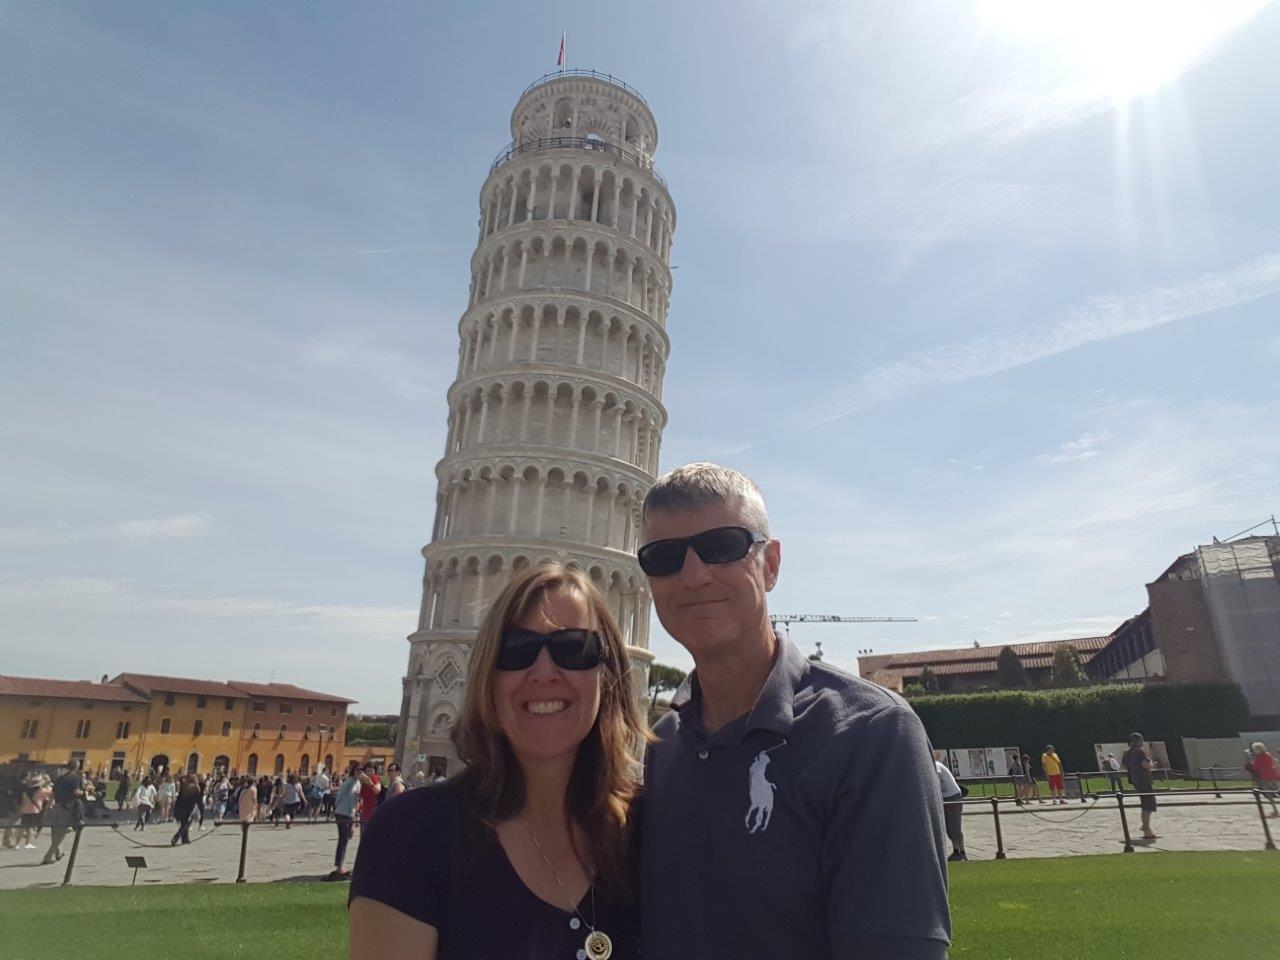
x=570 y=649
x=718 y=545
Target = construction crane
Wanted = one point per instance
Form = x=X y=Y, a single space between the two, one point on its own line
x=786 y=619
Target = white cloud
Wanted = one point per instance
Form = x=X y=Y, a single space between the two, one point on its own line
x=178 y=526
x=1098 y=319
x=1084 y=447
x=108 y=594
x=398 y=372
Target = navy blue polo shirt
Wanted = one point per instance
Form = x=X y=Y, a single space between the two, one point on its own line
x=810 y=827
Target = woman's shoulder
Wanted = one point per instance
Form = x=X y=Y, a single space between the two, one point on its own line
x=425 y=813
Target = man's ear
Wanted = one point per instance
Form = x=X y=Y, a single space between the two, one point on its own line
x=772 y=563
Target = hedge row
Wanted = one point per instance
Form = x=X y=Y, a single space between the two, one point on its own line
x=1073 y=720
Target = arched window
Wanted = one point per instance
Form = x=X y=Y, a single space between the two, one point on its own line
x=193 y=763
x=279 y=764
x=252 y=768
x=222 y=763
x=284 y=728
x=304 y=765
x=328 y=762
x=257 y=730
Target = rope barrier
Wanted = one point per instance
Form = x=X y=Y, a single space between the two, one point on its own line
x=115 y=828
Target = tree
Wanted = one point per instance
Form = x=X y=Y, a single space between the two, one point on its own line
x=1009 y=670
x=929 y=680
x=663 y=677
x=1066 y=671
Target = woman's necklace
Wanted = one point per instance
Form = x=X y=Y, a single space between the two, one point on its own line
x=597 y=946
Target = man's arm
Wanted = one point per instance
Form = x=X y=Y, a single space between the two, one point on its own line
x=884 y=853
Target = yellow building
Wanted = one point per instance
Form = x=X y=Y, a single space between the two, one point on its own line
x=140 y=721
x=53 y=721
x=194 y=726
x=289 y=729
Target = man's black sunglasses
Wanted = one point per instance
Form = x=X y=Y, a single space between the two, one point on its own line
x=570 y=649
x=718 y=545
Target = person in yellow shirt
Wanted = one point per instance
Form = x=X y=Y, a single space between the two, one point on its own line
x=1052 y=765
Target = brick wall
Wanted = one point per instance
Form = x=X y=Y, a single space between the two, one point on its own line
x=1184 y=632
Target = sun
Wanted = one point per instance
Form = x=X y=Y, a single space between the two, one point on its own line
x=1117 y=49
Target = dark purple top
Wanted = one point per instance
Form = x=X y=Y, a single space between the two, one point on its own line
x=423 y=855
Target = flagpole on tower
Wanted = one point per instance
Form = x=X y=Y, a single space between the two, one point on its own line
x=561 y=56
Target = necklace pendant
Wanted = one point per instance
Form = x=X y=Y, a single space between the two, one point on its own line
x=598 y=945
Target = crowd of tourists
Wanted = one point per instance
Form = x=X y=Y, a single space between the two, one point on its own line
x=58 y=803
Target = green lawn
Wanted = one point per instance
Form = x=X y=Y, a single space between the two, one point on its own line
x=1165 y=906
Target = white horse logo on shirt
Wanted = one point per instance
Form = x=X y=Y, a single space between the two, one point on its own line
x=761 y=794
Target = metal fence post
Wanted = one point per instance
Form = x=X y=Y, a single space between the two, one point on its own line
x=1213 y=773
x=1257 y=796
x=1124 y=823
x=244 y=849
x=995 y=813
x=75 y=847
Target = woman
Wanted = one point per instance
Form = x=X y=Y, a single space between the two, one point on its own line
x=166 y=793
x=248 y=802
x=145 y=799
x=530 y=846
x=1262 y=766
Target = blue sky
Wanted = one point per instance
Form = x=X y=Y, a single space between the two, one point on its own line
x=983 y=295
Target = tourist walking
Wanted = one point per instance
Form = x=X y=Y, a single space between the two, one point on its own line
x=145 y=798
x=952 y=808
x=1262 y=765
x=317 y=793
x=221 y=796
x=184 y=809
x=292 y=801
x=122 y=790
x=264 y=797
x=1139 y=765
x=68 y=809
x=166 y=793
x=1051 y=763
x=1031 y=784
x=36 y=791
x=345 y=807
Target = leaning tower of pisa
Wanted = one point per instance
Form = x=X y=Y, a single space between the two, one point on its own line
x=555 y=418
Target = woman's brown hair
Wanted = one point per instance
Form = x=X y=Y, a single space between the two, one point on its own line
x=603 y=782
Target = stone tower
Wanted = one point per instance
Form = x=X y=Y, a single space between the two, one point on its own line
x=555 y=418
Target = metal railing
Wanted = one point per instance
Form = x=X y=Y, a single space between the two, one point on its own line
x=590 y=74
x=635 y=158
x=1133 y=798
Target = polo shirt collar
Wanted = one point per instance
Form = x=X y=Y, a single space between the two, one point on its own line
x=774 y=706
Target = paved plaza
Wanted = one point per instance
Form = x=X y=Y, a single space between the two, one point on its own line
x=305 y=852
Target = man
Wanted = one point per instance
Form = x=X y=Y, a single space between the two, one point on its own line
x=791 y=810
x=344 y=811
x=1052 y=765
x=1139 y=764
x=1112 y=766
x=316 y=796
x=952 y=808
x=67 y=809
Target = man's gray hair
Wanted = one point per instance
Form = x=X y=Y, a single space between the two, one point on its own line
x=703 y=484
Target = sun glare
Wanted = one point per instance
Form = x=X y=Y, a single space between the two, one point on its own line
x=1121 y=49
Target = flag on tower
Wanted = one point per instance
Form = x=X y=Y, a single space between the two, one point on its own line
x=560 y=55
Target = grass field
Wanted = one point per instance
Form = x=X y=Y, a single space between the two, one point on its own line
x=1167 y=906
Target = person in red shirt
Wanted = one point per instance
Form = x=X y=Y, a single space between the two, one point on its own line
x=1263 y=766
x=370 y=787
